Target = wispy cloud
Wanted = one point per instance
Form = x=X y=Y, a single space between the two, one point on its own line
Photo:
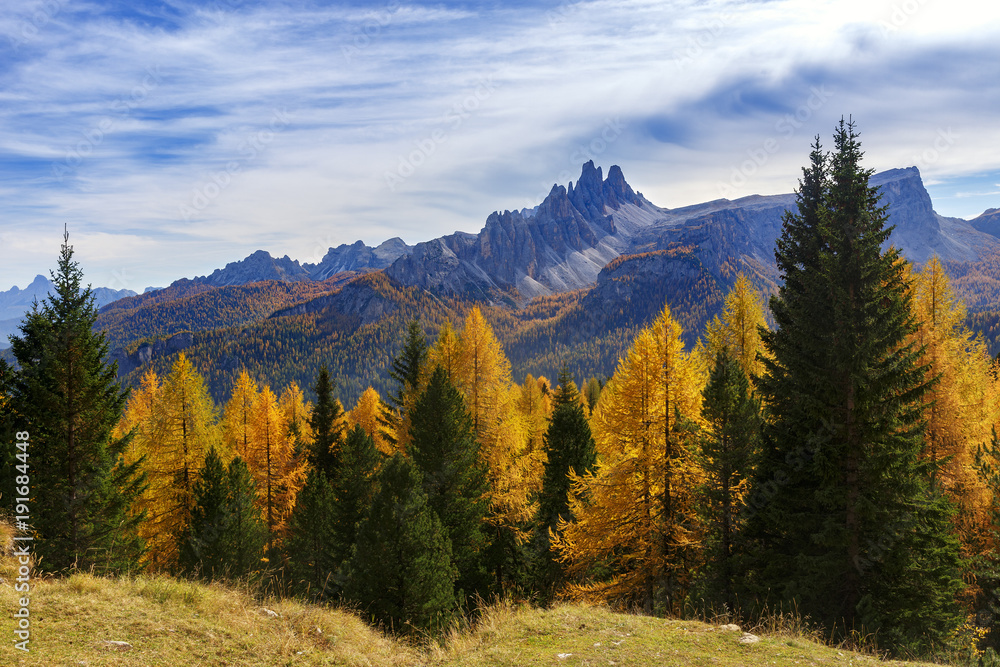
x=148 y=126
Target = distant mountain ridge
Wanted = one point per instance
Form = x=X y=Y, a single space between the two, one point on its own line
x=15 y=302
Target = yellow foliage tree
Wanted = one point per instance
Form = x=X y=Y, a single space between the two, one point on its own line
x=958 y=408
x=276 y=468
x=737 y=327
x=238 y=419
x=636 y=512
x=138 y=419
x=535 y=406
x=295 y=413
x=482 y=374
x=367 y=414
x=445 y=353
x=181 y=430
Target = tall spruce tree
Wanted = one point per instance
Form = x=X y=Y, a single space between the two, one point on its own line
x=225 y=536
x=248 y=533
x=68 y=398
x=326 y=422
x=203 y=549
x=406 y=369
x=841 y=520
x=353 y=490
x=312 y=533
x=401 y=572
x=444 y=449
x=570 y=448
x=729 y=447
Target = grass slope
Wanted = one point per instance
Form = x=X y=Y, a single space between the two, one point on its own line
x=75 y=620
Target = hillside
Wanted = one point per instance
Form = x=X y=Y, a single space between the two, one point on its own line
x=142 y=621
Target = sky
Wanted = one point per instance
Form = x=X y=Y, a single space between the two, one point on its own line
x=172 y=137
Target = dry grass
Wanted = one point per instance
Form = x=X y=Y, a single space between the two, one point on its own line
x=174 y=622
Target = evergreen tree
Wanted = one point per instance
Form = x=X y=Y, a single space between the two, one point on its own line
x=728 y=451
x=353 y=490
x=204 y=549
x=407 y=367
x=248 y=534
x=841 y=520
x=443 y=447
x=68 y=398
x=327 y=424
x=312 y=534
x=401 y=573
x=570 y=449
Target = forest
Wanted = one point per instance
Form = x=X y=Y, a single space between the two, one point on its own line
x=831 y=450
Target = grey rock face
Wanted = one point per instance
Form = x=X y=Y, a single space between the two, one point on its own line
x=560 y=245
x=357 y=256
x=258 y=266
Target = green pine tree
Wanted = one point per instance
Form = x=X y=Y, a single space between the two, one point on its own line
x=406 y=367
x=248 y=533
x=569 y=446
x=312 y=533
x=326 y=422
x=203 y=548
x=68 y=398
x=728 y=450
x=444 y=449
x=840 y=517
x=401 y=573
x=353 y=490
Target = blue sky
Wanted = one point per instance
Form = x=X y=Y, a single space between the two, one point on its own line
x=176 y=136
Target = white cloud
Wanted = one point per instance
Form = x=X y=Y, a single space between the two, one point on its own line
x=697 y=88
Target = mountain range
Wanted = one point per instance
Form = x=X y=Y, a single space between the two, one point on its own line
x=15 y=302
x=568 y=281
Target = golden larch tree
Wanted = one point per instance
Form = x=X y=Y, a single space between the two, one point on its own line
x=138 y=419
x=295 y=413
x=737 y=327
x=182 y=431
x=959 y=409
x=238 y=418
x=272 y=460
x=367 y=414
x=636 y=512
x=482 y=374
